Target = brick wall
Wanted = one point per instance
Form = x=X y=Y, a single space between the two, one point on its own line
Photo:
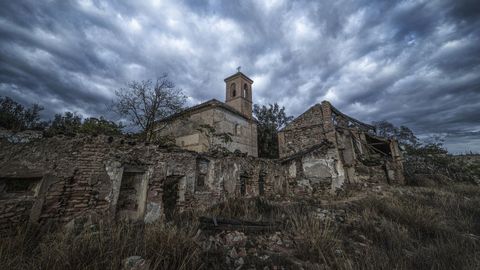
x=83 y=175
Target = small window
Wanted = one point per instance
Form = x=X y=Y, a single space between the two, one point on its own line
x=245 y=90
x=244 y=181
x=14 y=187
x=202 y=173
x=201 y=180
x=261 y=184
x=238 y=130
x=233 y=89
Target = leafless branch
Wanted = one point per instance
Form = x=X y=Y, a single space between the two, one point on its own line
x=145 y=103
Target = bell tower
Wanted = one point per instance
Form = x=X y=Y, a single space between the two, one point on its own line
x=238 y=93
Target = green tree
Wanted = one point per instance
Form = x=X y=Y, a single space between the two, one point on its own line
x=145 y=103
x=96 y=126
x=16 y=117
x=426 y=157
x=70 y=124
x=270 y=120
x=67 y=124
x=403 y=134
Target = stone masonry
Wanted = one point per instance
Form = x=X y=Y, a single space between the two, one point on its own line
x=54 y=180
x=325 y=149
x=232 y=117
x=57 y=180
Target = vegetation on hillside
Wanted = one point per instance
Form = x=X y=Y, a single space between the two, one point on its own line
x=428 y=160
x=142 y=103
x=16 y=117
x=70 y=124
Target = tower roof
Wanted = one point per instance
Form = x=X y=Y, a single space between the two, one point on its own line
x=237 y=75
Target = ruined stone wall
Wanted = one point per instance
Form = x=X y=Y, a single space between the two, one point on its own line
x=350 y=149
x=73 y=176
x=305 y=131
x=14 y=213
x=84 y=174
x=315 y=172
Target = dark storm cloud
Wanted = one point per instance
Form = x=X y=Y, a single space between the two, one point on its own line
x=415 y=62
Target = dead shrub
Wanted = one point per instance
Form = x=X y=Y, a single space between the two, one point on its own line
x=250 y=209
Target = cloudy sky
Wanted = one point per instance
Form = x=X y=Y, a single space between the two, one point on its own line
x=414 y=63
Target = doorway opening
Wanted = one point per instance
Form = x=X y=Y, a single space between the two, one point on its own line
x=132 y=195
x=170 y=195
x=245 y=180
x=261 y=184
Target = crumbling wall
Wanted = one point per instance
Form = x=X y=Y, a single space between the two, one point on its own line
x=316 y=171
x=14 y=212
x=353 y=147
x=74 y=176
x=237 y=176
x=304 y=132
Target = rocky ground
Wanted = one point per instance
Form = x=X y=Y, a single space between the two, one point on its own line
x=374 y=227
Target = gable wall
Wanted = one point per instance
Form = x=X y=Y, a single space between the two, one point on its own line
x=305 y=131
x=185 y=131
x=243 y=132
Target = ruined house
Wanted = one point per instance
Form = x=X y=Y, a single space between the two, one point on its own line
x=324 y=149
x=55 y=180
x=234 y=118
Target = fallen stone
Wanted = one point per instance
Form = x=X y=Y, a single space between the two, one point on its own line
x=135 y=263
x=233 y=253
x=235 y=238
x=242 y=252
x=239 y=263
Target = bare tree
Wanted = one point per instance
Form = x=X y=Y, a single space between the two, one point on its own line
x=145 y=103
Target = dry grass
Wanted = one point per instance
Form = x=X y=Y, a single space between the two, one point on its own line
x=411 y=228
x=317 y=241
x=167 y=247
x=420 y=228
x=250 y=209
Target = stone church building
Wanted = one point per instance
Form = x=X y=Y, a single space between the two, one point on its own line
x=232 y=117
x=68 y=179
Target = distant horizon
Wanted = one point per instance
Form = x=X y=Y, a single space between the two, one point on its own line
x=412 y=63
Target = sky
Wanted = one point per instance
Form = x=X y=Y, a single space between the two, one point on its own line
x=414 y=63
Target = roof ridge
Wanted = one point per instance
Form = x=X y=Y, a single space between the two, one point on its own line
x=211 y=102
